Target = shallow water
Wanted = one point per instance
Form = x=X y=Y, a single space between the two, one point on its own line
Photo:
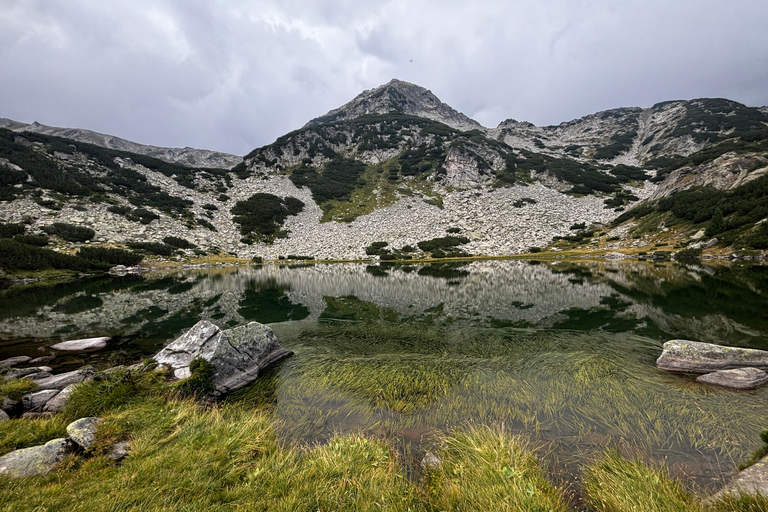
x=561 y=352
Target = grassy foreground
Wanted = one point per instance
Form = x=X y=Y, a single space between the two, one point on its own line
x=228 y=457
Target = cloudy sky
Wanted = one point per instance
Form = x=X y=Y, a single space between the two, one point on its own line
x=232 y=75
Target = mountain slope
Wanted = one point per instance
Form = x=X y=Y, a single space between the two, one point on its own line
x=185 y=156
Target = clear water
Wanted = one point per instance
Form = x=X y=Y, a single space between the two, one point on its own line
x=560 y=352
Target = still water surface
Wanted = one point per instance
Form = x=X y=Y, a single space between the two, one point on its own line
x=561 y=352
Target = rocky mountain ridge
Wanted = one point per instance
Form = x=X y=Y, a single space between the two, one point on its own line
x=186 y=156
x=397 y=166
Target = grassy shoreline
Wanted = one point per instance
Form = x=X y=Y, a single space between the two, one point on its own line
x=230 y=456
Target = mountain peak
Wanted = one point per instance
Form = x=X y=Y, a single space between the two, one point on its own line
x=398 y=96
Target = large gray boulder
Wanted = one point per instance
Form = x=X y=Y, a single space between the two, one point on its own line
x=238 y=355
x=736 y=378
x=698 y=357
x=37 y=460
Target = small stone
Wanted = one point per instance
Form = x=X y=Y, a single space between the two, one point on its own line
x=736 y=378
x=431 y=461
x=38 y=399
x=37 y=460
x=13 y=361
x=84 y=344
x=119 y=451
x=8 y=404
x=42 y=359
x=83 y=431
x=4 y=416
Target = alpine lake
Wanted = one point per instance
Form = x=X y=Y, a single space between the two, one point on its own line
x=560 y=352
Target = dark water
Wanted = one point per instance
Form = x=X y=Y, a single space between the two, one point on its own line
x=561 y=352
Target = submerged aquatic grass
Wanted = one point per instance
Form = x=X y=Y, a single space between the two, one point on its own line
x=576 y=392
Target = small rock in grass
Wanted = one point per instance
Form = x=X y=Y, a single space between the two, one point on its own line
x=84 y=344
x=119 y=451
x=737 y=378
x=431 y=461
x=83 y=431
x=3 y=415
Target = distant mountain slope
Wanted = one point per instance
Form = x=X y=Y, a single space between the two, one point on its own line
x=185 y=156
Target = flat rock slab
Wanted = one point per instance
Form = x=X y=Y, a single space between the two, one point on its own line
x=752 y=480
x=64 y=379
x=18 y=373
x=38 y=399
x=238 y=355
x=37 y=460
x=84 y=344
x=83 y=431
x=736 y=378
x=698 y=357
x=57 y=403
x=12 y=361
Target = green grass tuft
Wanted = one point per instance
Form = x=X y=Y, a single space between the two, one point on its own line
x=17 y=388
x=616 y=484
x=489 y=469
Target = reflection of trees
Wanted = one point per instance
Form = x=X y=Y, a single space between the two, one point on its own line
x=270 y=305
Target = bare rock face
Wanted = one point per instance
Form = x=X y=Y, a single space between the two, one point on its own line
x=37 y=460
x=238 y=355
x=698 y=357
x=736 y=378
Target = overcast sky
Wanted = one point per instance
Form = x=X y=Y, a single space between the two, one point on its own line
x=232 y=75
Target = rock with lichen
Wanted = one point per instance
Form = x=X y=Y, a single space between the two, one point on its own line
x=83 y=431
x=37 y=460
x=238 y=354
x=698 y=357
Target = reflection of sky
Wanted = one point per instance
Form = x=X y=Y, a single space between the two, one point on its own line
x=548 y=295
